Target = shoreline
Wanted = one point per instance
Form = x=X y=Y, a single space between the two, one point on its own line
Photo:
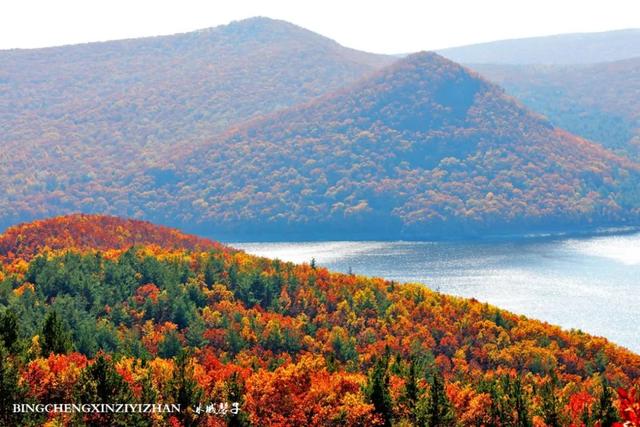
x=487 y=238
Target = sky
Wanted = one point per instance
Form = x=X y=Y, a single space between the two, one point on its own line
x=396 y=26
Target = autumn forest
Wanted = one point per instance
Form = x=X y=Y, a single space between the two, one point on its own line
x=116 y=156
x=97 y=310
x=267 y=129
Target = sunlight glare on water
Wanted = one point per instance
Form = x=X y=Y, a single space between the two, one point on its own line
x=624 y=249
x=322 y=252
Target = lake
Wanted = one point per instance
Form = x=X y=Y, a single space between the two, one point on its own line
x=592 y=284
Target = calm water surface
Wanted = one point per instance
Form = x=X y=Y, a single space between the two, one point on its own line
x=592 y=284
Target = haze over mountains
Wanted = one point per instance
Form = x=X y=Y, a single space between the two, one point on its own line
x=263 y=128
x=134 y=101
x=421 y=148
x=587 y=83
x=86 y=115
x=579 y=48
x=600 y=102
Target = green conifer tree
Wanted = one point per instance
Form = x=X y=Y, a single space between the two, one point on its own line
x=9 y=329
x=235 y=394
x=377 y=390
x=56 y=338
x=435 y=409
x=10 y=390
x=185 y=390
x=101 y=383
x=605 y=413
x=550 y=406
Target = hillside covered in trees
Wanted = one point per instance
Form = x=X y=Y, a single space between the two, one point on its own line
x=422 y=148
x=192 y=130
x=261 y=129
x=85 y=232
x=290 y=344
x=599 y=102
x=76 y=120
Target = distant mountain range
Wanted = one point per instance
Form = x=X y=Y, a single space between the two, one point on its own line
x=422 y=148
x=86 y=115
x=587 y=83
x=580 y=48
x=600 y=101
x=262 y=129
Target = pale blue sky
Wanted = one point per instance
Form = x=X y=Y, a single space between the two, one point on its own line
x=378 y=26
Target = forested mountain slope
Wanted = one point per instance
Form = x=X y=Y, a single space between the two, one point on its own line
x=419 y=149
x=424 y=147
x=84 y=115
x=600 y=102
x=290 y=344
x=578 y=48
x=95 y=232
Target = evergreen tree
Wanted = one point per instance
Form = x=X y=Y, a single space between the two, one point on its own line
x=498 y=412
x=55 y=335
x=101 y=383
x=86 y=342
x=8 y=329
x=234 y=341
x=550 y=405
x=181 y=313
x=436 y=410
x=185 y=391
x=213 y=270
x=233 y=276
x=411 y=391
x=605 y=413
x=9 y=390
x=509 y=401
x=411 y=388
x=195 y=332
x=378 y=390
x=344 y=346
x=235 y=394
x=170 y=345
x=520 y=404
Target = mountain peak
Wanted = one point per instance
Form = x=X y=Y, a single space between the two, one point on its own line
x=424 y=147
x=263 y=22
x=257 y=24
x=261 y=28
x=430 y=63
x=425 y=56
x=422 y=92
